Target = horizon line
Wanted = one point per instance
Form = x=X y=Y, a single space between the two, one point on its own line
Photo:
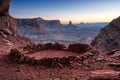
x=64 y=22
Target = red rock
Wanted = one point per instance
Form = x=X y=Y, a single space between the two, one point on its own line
x=4 y=7
x=108 y=38
x=114 y=65
x=116 y=55
x=79 y=48
x=58 y=46
x=15 y=54
x=48 y=46
x=104 y=75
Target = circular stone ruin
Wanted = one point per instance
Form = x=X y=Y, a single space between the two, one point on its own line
x=51 y=55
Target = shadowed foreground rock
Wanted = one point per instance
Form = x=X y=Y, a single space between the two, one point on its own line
x=7 y=23
x=4 y=7
x=80 y=48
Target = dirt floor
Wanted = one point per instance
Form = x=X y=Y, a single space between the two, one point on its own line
x=52 y=54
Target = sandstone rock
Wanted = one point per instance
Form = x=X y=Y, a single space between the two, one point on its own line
x=114 y=65
x=21 y=59
x=58 y=46
x=15 y=54
x=29 y=26
x=100 y=59
x=27 y=60
x=70 y=22
x=35 y=25
x=4 y=7
x=7 y=23
x=80 y=48
x=95 y=52
x=111 y=52
x=108 y=38
x=48 y=46
x=116 y=54
x=104 y=75
x=70 y=25
x=33 y=48
x=53 y=23
x=34 y=61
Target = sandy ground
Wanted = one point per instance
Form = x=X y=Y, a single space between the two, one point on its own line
x=52 y=54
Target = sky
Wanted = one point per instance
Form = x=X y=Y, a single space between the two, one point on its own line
x=65 y=10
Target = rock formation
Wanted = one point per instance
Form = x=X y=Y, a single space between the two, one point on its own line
x=108 y=38
x=81 y=48
x=70 y=24
x=104 y=75
x=8 y=31
x=38 y=22
x=29 y=26
x=7 y=23
x=4 y=7
x=35 y=25
x=53 y=23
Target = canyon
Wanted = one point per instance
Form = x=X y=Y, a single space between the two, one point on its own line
x=22 y=59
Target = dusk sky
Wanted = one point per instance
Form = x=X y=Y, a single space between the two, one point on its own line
x=75 y=10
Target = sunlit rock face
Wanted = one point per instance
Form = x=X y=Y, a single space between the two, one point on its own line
x=4 y=7
x=109 y=36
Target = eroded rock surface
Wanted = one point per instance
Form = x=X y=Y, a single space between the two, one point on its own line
x=9 y=37
x=4 y=7
x=81 y=48
x=58 y=56
x=108 y=38
x=104 y=75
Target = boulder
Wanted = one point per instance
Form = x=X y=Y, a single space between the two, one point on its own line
x=79 y=48
x=15 y=54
